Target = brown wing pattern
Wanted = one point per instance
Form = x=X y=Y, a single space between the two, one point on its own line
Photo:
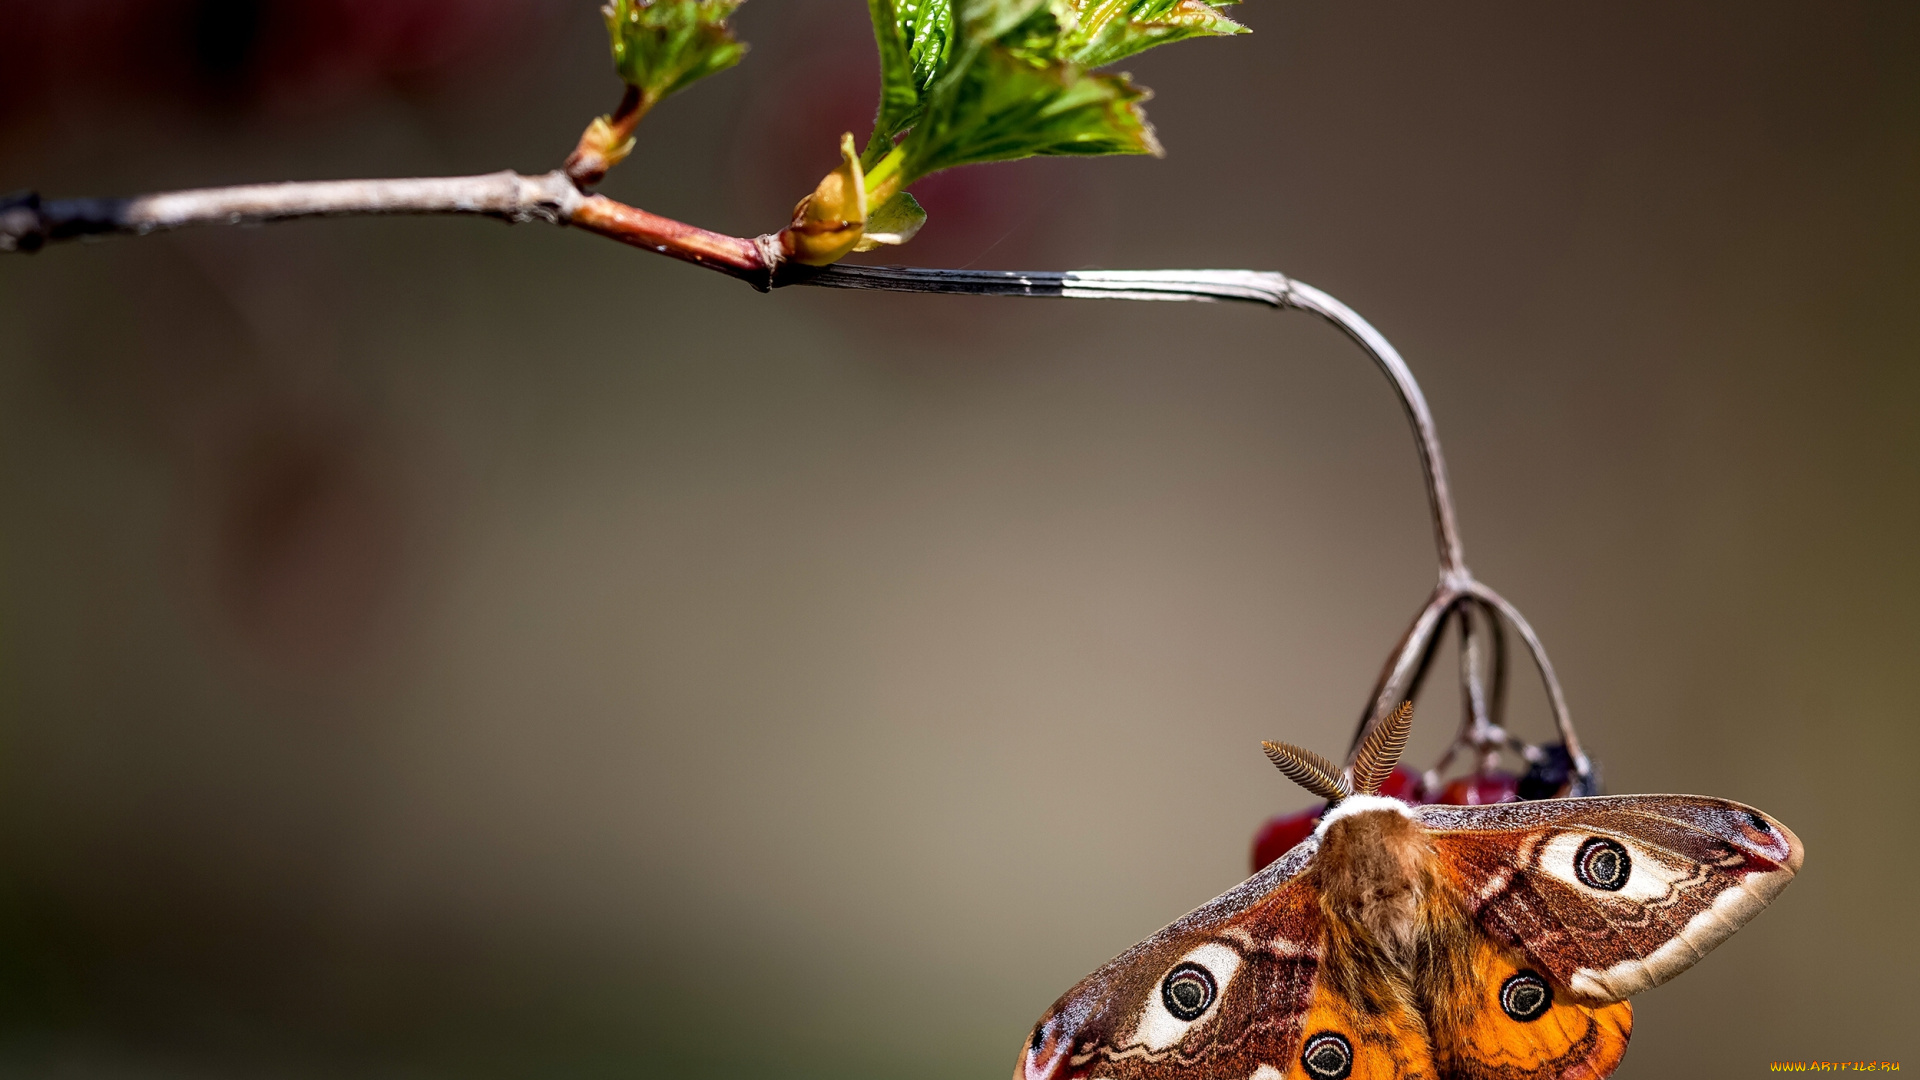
x=1611 y=896
x=1259 y=949
x=1250 y=958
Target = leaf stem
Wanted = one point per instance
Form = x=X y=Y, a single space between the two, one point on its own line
x=887 y=177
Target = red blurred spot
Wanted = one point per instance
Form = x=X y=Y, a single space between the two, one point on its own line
x=244 y=52
x=1404 y=785
x=1281 y=832
x=1482 y=789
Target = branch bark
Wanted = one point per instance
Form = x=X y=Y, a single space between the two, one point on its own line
x=28 y=223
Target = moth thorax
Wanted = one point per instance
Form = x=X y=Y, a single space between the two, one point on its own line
x=1376 y=871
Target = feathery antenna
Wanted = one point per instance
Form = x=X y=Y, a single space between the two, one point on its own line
x=1380 y=752
x=1309 y=770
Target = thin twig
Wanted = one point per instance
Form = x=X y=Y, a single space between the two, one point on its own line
x=1446 y=534
x=1407 y=663
x=1475 y=720
x=1556 y=698
x=1497 y=705
x=1253 y=286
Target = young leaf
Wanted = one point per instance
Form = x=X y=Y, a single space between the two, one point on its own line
x=1110 y=30
x=971 y=81
x=1004 y=106
x=893 y=223
x=916 y=40
x=994 y=20
x=1017 y=85
x=661 y=47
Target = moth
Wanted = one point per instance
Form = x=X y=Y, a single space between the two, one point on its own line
x=1423 y=942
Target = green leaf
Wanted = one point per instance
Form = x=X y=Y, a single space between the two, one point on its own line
x=893 y=223
x=916 y=40
x=994 y=20
x=971 y=81
x=1002 y=106
x=1110 y=30
x=1093 y=33
x=664 y=46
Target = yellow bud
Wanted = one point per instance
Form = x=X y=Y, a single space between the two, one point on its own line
x=607 y=141
x=601 y=137
x=830 y=222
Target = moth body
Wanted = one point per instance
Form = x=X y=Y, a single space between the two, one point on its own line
x=1374 y=873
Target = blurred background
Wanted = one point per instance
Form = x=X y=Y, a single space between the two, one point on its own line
x=434 y=648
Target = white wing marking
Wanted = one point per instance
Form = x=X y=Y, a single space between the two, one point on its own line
x=1649 y=878
x=1708 y=928
x=1159 y=1028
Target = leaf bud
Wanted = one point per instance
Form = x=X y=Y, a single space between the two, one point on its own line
x=829 y=223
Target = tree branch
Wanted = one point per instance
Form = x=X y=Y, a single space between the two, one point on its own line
x=28 y=223
x=1556 y=697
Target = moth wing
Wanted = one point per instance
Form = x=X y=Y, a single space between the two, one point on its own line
x=1267 y=1001
x=1610 y=896
x=1509 y=1021
x=1340 y=1038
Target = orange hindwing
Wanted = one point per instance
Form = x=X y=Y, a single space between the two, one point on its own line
x=1511 y=1021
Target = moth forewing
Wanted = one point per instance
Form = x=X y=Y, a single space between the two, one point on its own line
x=1612 y=896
